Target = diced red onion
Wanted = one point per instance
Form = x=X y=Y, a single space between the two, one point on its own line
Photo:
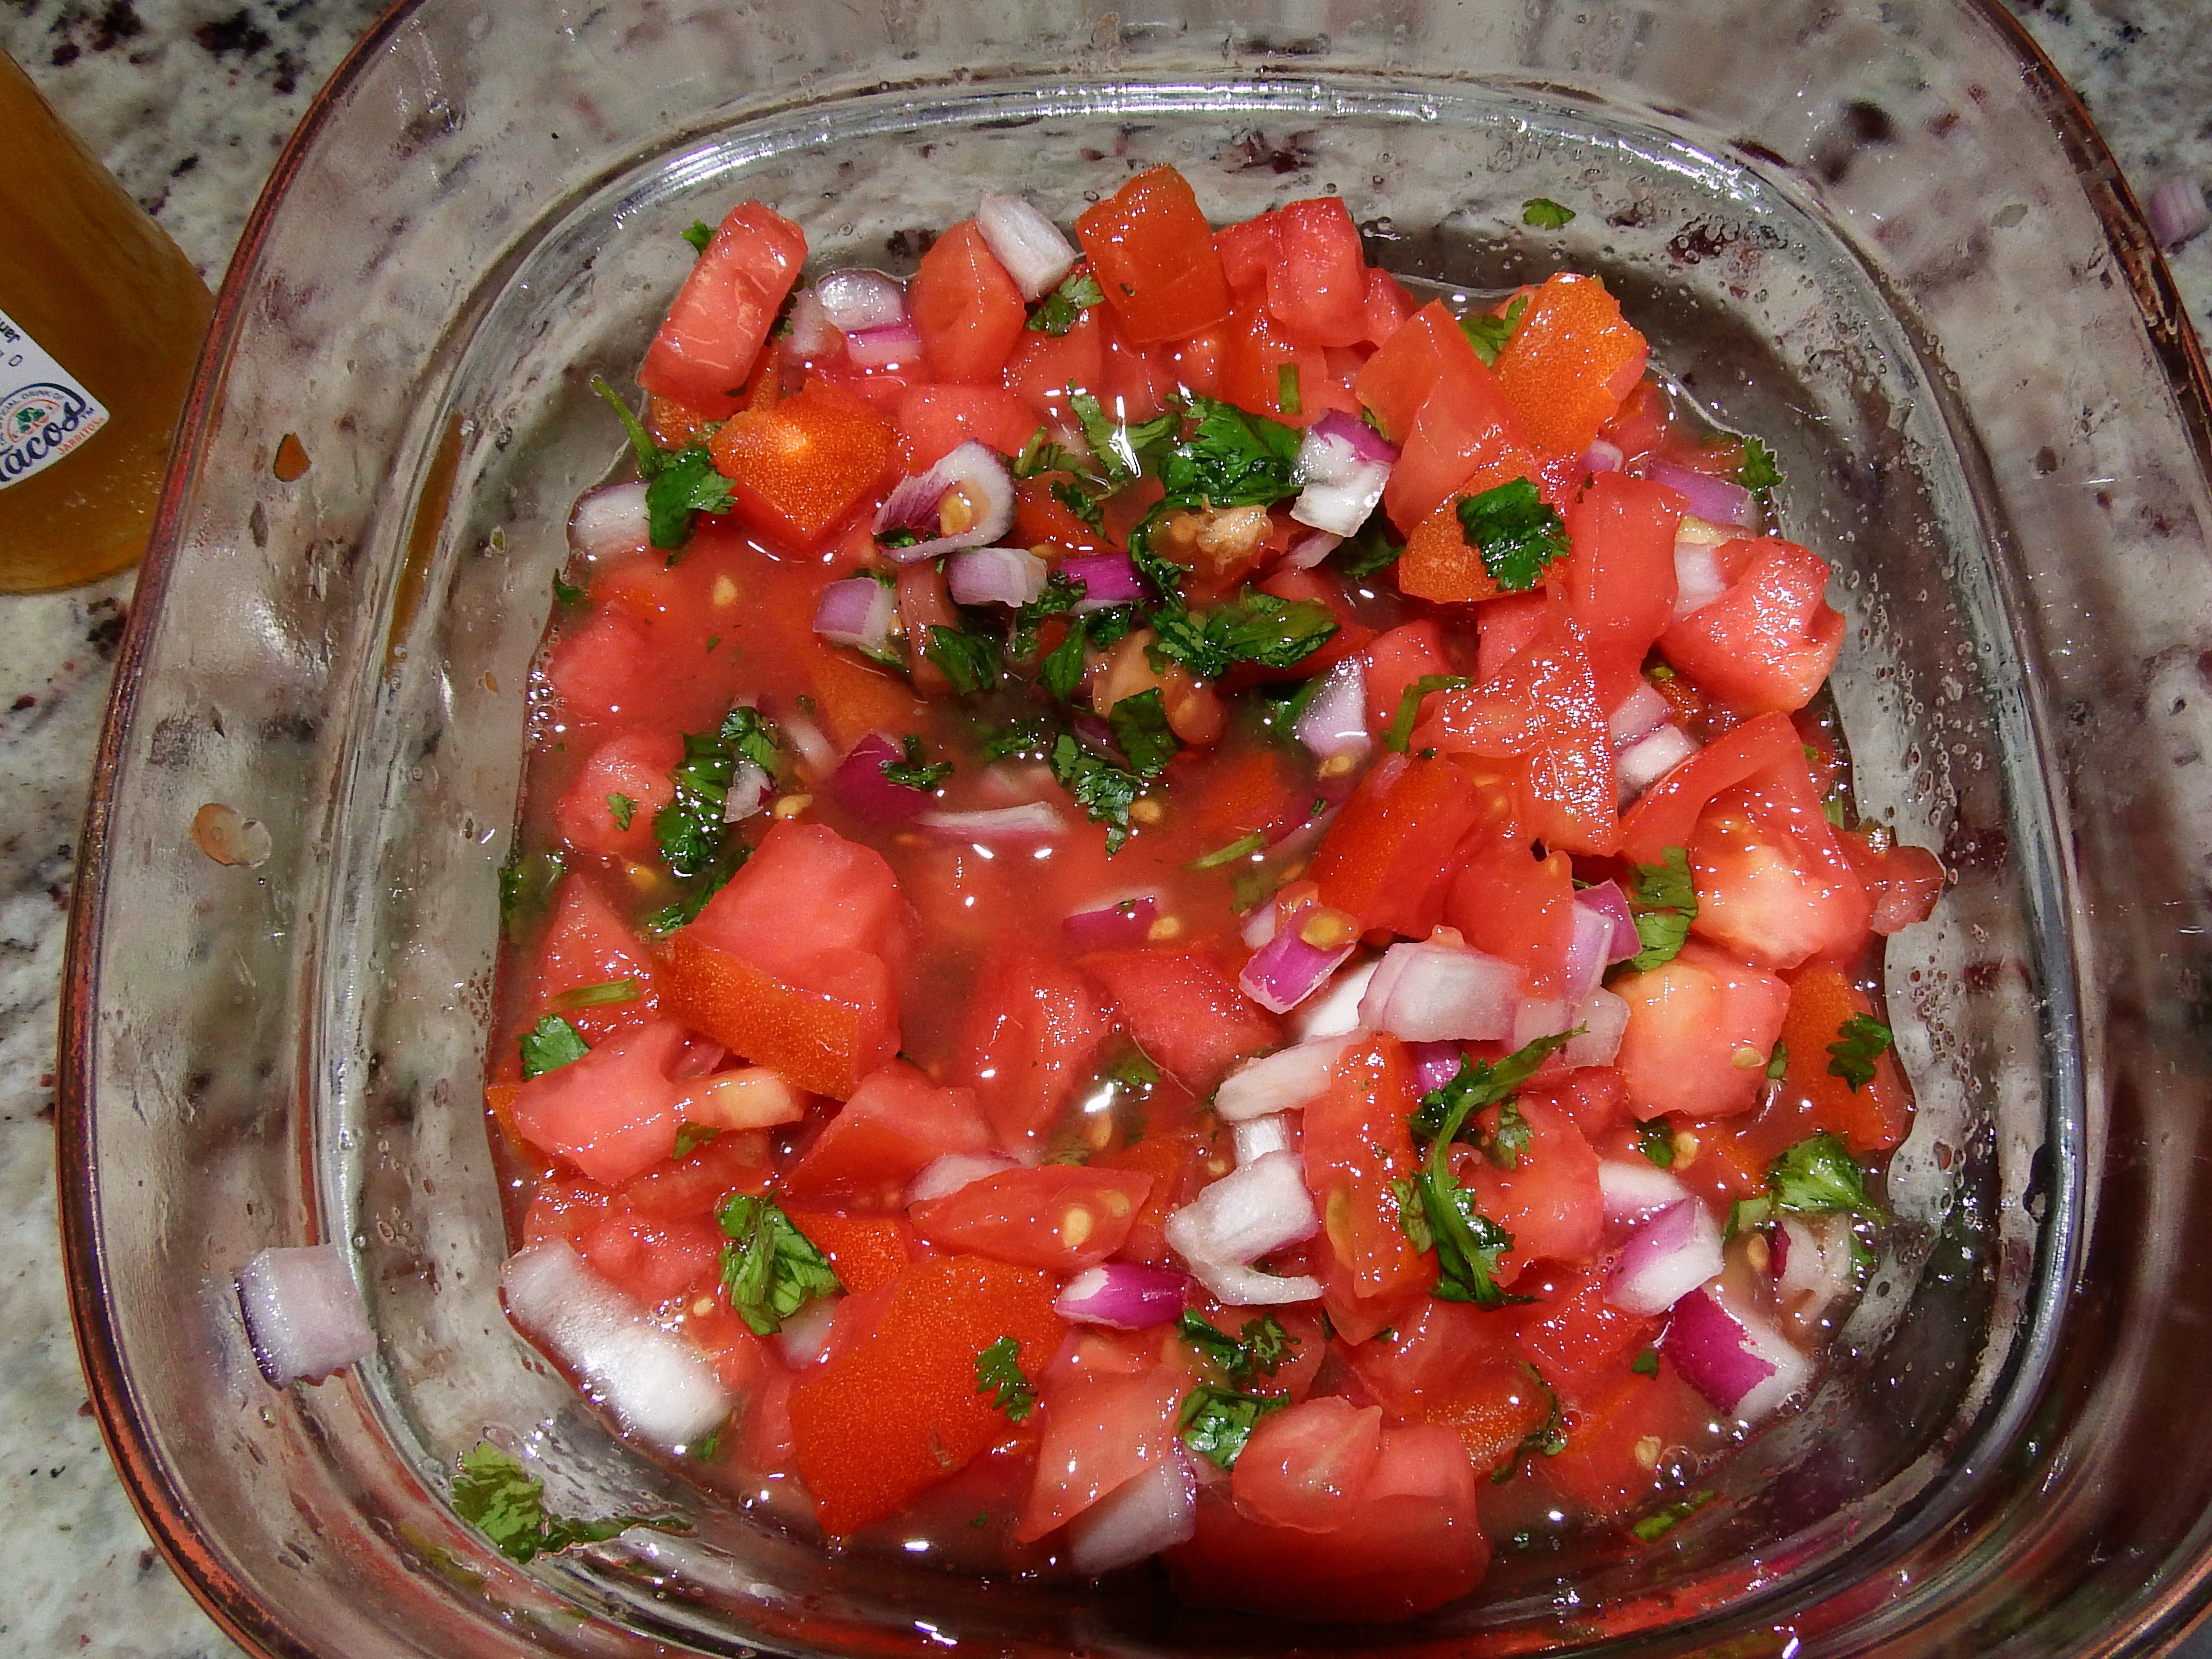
x=800 y=1340
x=1280 y=1082
x=1335 y=722
x=1261 y=1137
x=855 y=300
x=1634 y=1189
x=1589 y=950
x=1252 y=1210
x=1812 y=1257
x=748 y=789
x=859 y=612
x=1368 y=448
x=1738 y=1361
x=1603 y=1021
x=979 y=472
x=1610 y=902
x=1435 y=1064
x=861 y=788
x=1235 y=1286
x=812 y=333
x=1343 y=466
x=1286 y=970
x=1437 y=993
x=1032 y=821
x=2176 y=210
x=1155 y=1512
x=1637 y=767
x=1717 y=500
x=1665 y=1258
x=1777 y=1251
x=1107 y=579
x=1029 y=245
x=1697 y=579
x=1638 y=715
x=994 y=575
x=1539 y=1017
x=947 y=1175
x=1335 y=1012
x=656 y=1384
x=609 y=523
x=1311 y=550
x=1602 y=456
x=816 y=759
x=1259 y=928
x=1127 y=1296
x=892 y=346
x=303 y=1313
x=1129 y=922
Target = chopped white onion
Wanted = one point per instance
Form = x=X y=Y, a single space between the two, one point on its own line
x=748 y=789
x=1538 y=1018
x=816 y=759
x=1335 y=722
x=1820 y=1265
x=610 y=523
x=1029 y=245
x=1334 y=1011
x=303 y=1313
x=1137 y=1520
x=803 y=1336
x=1635 y=1190
x=1311 y=550
x=1280 y=1082
x=1637 y=767
x=1259 y=1137
x=1665 y=1258
x=1429 y=993
x=1697 y=579
x=979 y=473
x=1253 y=1209
x=2176 y=210
x=1638 y=715
x=948 y=1174
x=994 y=575
x=812 y=331
x=1603 y=1018
x=852 y=300
x=1234 y=1285
x=656 y=1384
x=1031 y=820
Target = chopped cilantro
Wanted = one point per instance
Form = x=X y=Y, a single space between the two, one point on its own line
x=690 y=1137
x=1516 y=532
x=1030 y=739
x=689 y=829
x=1654 y=1527
x=1859 y=1042
x=1062 y=308
x=770 y=1269
x=1120 y=449
x=970 y=661
x=1504 y=1142
x=1544 y=213
x=1259 y=1351
x=1062 y=593
x=1140 y=724
x=699 y=233
x=1230 y=458
x=1663 y=899
x=607 y=992
x=999 y=1374
x=1645 y=1363
x=1040 y=455
x=1547 y=1439
x=1657 y=1142
x=494 y=1494
x=1082 y=503
x=685 y=910
x=1370 y=552
x=1758 y=473
x=914 y=772
x=1286 y=389
x=550 y=1044
x=1488 y=334
x=1820 y=1177
x=678 y=482
x=619 y=808
x=982 y=1519
x=1061 y=673
x=1777 y=1063
x=1101 y=788
x=1216 y=1423
x=566 y=592
x=1254 y=627
x=1243 y=848
x=525 y=886
x=1409 y=705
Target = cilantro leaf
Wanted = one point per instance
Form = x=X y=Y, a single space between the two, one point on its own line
x=1663 y=899
x=606 y=993
x=1504 y=1142
x=1547 y=1439
x=1409 y=705
x=690 y=1137
x=550 y=1044
x=1101 y=788
x=914 y=772
x=1488 y=334
x=1820 y=1177
x=1259 y=1351
x=999 y=1374
x=1140 y=724
x=1216 y=1423
x=1544 y=213
x=1243 y=848
x=689 y=830
x=1254 y=627
x=770 y=1269
x=1859 y=1042
x=494 y=1494
x=1041 y=455
x=1061 y=673
x=698 y=232
x=689 y=484
x=1645 y=1363
x=1657 y=1142
x=1081 y=501
x=1062 y=308
x=1230 y=458
x=619 y=808
x=1777 y=1063
x=1654 y=1527
x=566 y=592
x=1062 y=593
x=1370 y=553
x=1120 y=449
x=1516 y=532
x=685 y=910
x=1031 y=739
x=526 y=887
x=1286 y=389
x=1758 y=474
x=970 y=661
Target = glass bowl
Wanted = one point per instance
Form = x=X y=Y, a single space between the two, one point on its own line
x=1878 y=231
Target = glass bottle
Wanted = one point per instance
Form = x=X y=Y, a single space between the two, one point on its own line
x=101 y=321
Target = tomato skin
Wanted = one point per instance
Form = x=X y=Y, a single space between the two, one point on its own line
x=1410 y=651
x=612 y=1114
x=1248 y=251
x=1549 y=1200
x=1518 y=908
x=587 y=943
x=1390 y=856
x=1317 y=286
x=1872 y=1118
x=1700 y=1029
x=934 y=420
x=797 y=468
x=1774 y=886
x=966 y=308
x=1465 y=441
x=704 y=352
x=1569 y=362
x=1620 y=576
x=634 y=764
x=1570 y=801
x=1438 y=565
x=1667 y=814
x=1061 y=1218
x=1769 y=643
x=1031 y=1029
x=1356 y=1143
x=1304 y=1464
x=1427 y=347
x=866 y=1252
x=1184 y=1012
x=896 y=1122
x=1153 y=254
x=1101 y=1431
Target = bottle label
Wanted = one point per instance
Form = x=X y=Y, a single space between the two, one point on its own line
x=44 y=412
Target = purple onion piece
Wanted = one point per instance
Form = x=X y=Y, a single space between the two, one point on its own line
x=1717 y=500
x=1138 y=1519
x=1439 y=993
x=1129 y=922
x=892 y=346
x=1608 y=901
x=858 y=612
x=1697 y=579
x=1366 y=442
x=1665 y=1258
x=1335 y=722
x=1637 y=715
x=1286 y=970
x=980 y=473
x=303 y=1313
x=1602 y=456
x=812 y=333
x=1107 y=579
x=1309 y=549
x=1127 y=1296
x=994 y=575
x=1589 y=952
x=862 y=788
x=1435 y=1064
x=748 y=791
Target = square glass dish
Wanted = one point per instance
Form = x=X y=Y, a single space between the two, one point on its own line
x=1878 y=232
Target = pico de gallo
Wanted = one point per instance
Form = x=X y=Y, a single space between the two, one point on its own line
x=1176 y=903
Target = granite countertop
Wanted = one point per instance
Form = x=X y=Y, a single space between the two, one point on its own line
x=189 y=102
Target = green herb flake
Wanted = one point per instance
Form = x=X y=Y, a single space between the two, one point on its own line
x=1860 y=1041
x=915 y=771
x=970 y=661
x=1545 y=214
x=1663 y=899
x=1654 y=1527
x=1400 y=732
x=1516 y=532
x=1777 y=1063
x=1061 y=309
x=690 y=1137
x=1820 y=1177
x=1030 y=740
x=1082 y=503
x=1656 y=1140
x=1061 y=673
x=1488 y=334
x=1547 y=1439
x=526 y=888
x=550 y=1044
x=678 y=482
x=1504 y=1142
x=606 y=993
x=1139 y=725
x=689 y=830
x=1758 y=474
x=1645 y=1363
x=999 y=1374
x=699 y=233
x=1230 y=458
x=769 y=1268
x=1258 y=1351
x=1041 y=455
x=1370 y=553
x=1243 y=848
x=567 y=593
x=1286 y=389
x=1254 y=627
x=1216 y=1423
x=1062 y=593
x=1120 y=450
x=1101 y=788
x=619 y=808
x=497 y=1496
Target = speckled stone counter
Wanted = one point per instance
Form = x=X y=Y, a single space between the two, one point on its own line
x=189 y=101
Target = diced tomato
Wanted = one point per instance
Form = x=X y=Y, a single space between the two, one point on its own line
x=1177 y=1163
x=1602 y=1467
x=1912 y=880
x=1774 y=885
x=695 y=1184
x=1770 y=640
x=925 y=604
x=609 y=807
x=965 y=308
x=896 y=1122
x=1569 y=362
x=1045 y=367
x=797 y=468
x=602 y=671
x=1506 y=627
x=866 y=1252
x=1437 y=564
x=613 y=1114
x=1041 y=519
x=1303 y=1465
x=933 y=421
x=1259 y=355
x=1872 y=1117
x=1465 y=441
x=1184 y=1012
x=1317 y=286
x=1387 y=306
x=664 y=1263
x=1060 y=1217
x=856 y=698
x=1700 y=1030
x=1643 y=421
x=1101 y=1431
x=704 y=351
x=1390 y=856
x=1518 y=908
x=1455 y=1366
x=1428 y=347
x=890 y=1415
x=1248 y=253
x=1594 y=1095
x=1358 y=1144
x=1666 y=814
x=588 y=944
x=1574 y=1334
x=1413 y=651
x=1620 y=576
x=1031 y=1029
x=1153 y=253
x=807 y=888
x=1548 y=1200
